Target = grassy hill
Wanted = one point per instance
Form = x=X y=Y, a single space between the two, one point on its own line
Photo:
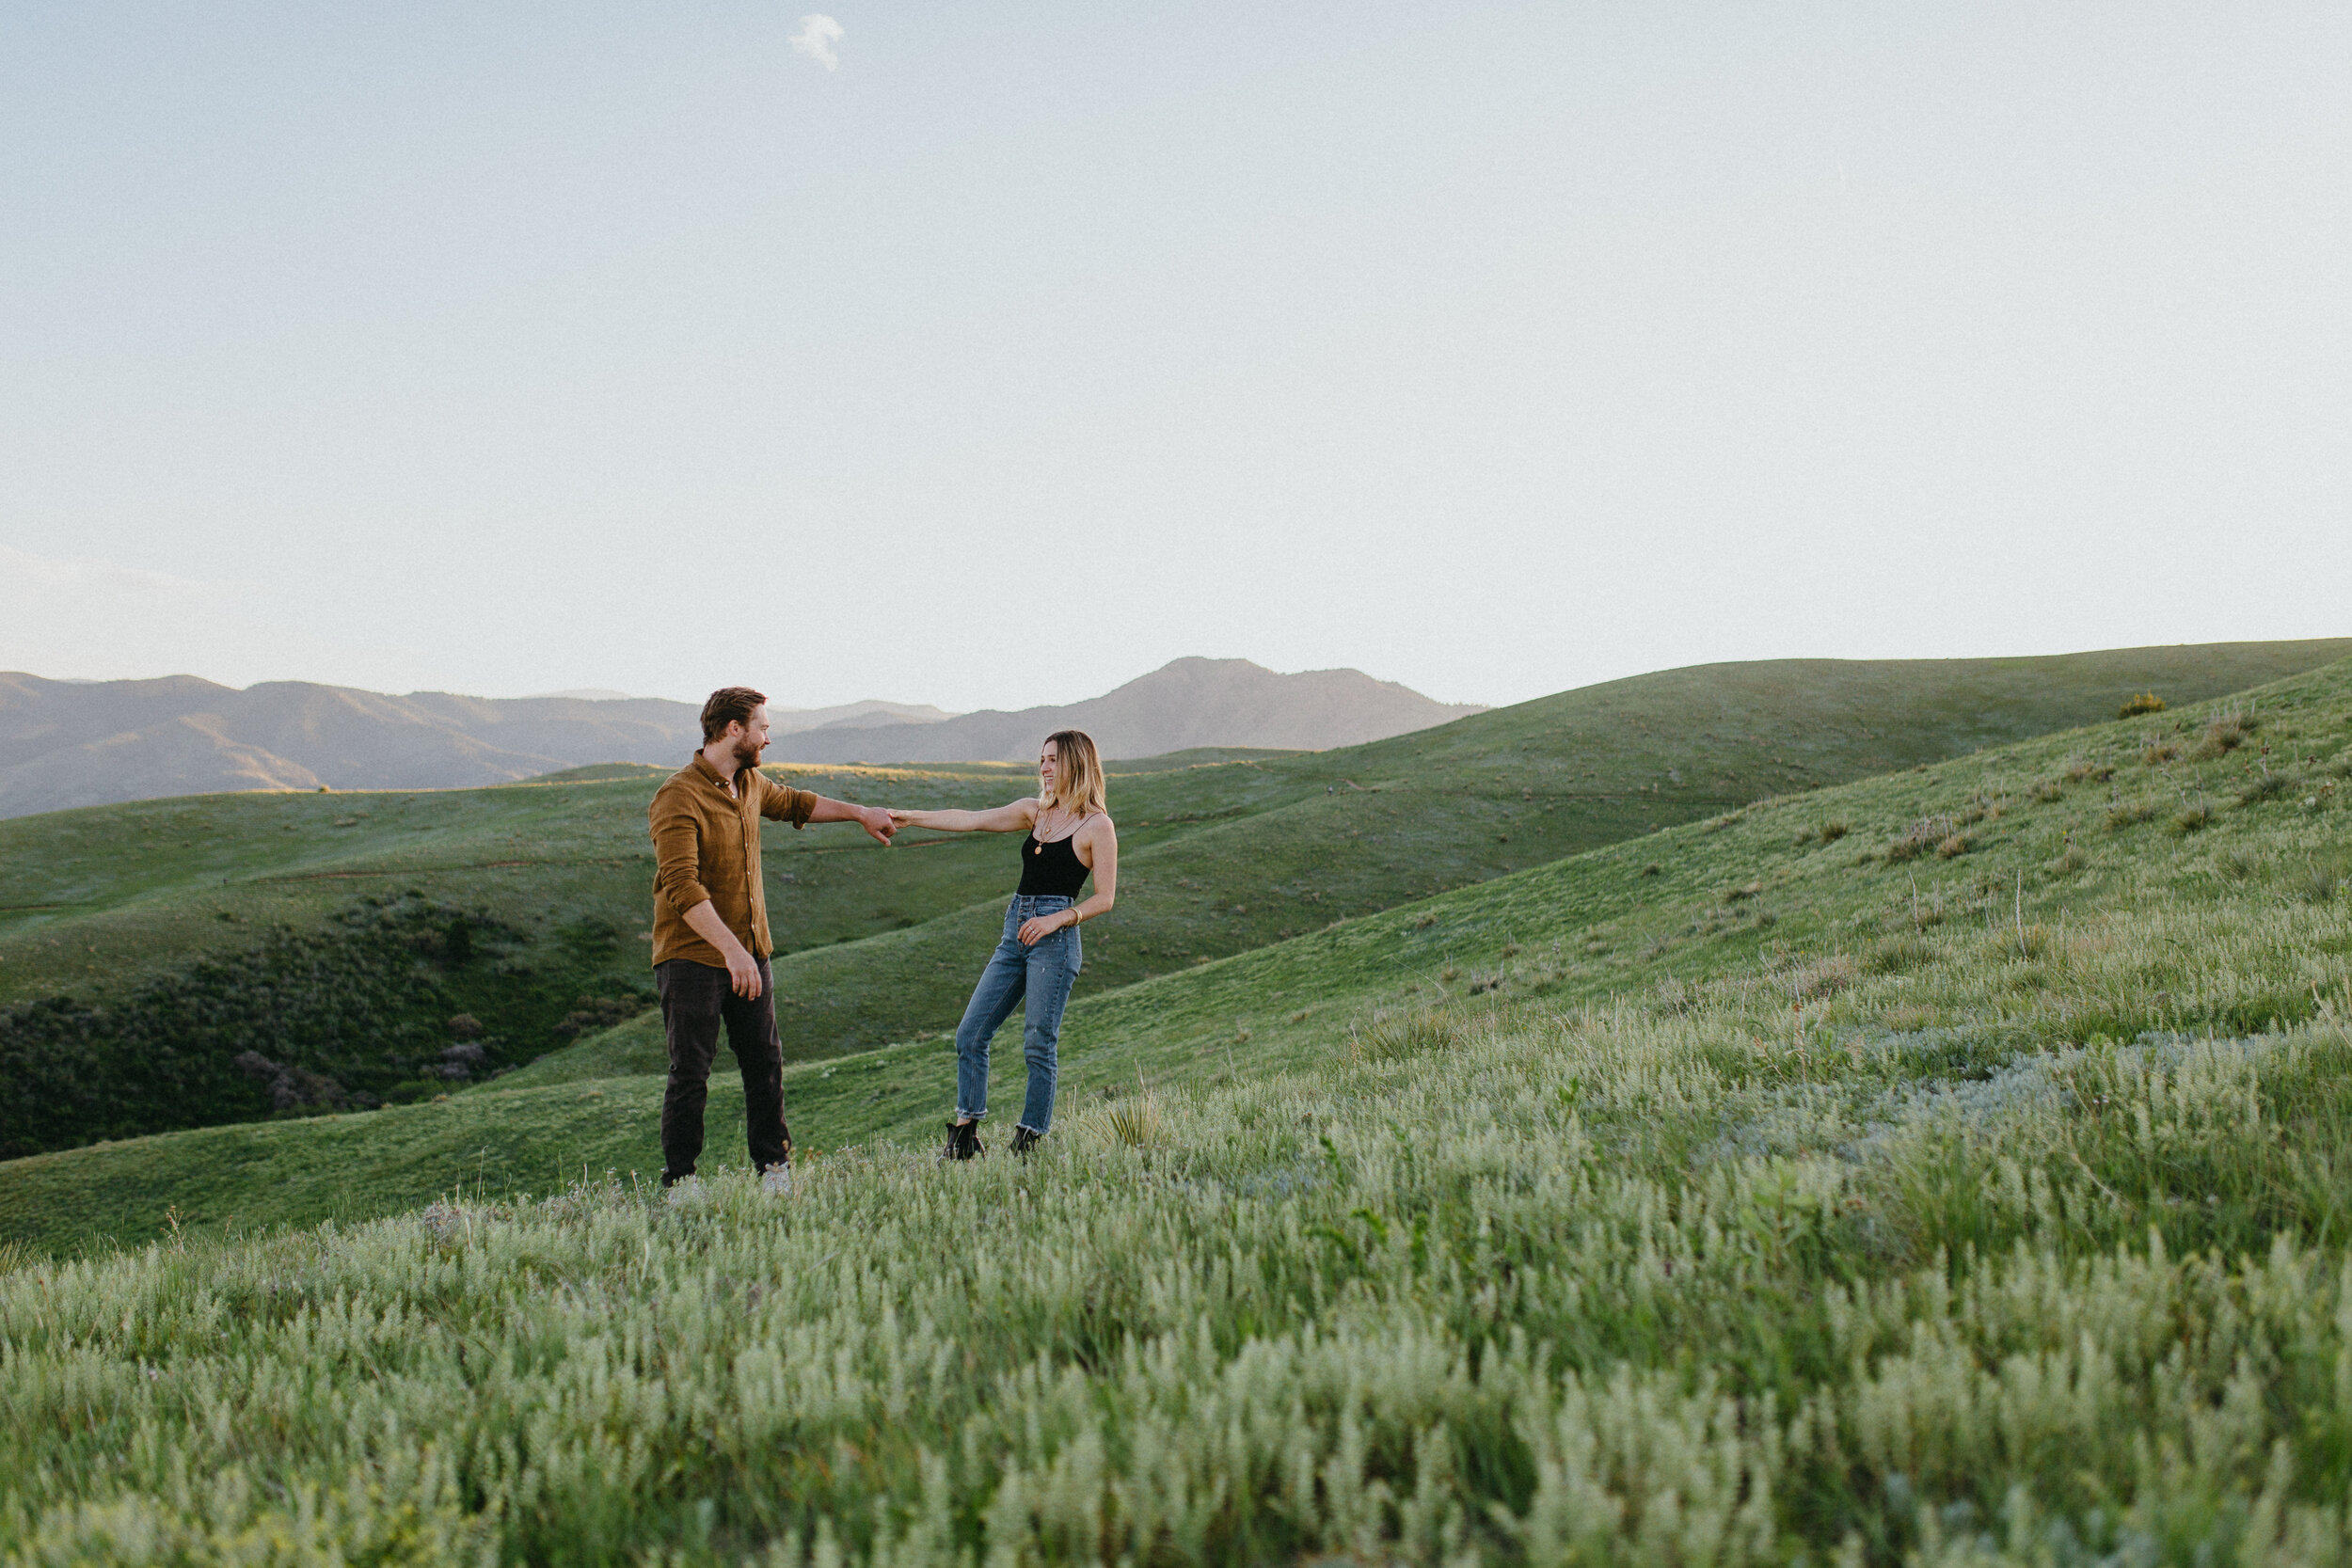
x=2056 y=835
x=338 y=935
x=1943 y=1167
x=1291 y=846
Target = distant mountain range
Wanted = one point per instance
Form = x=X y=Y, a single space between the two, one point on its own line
x=1190 y=703
x=78 y=743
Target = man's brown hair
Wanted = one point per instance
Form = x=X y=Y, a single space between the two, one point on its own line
x=729 y=704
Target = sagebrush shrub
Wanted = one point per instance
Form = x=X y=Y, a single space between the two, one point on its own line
x=2265 y=785
x=1825 y=976
x=2225 y=734
x=2237 y=865
x=1920 y=837
x=1394 y=1037
x=1895 y=954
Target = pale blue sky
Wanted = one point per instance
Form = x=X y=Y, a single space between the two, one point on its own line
x=1491 y=349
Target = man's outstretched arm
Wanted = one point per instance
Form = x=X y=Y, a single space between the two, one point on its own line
x=783 y=803
x=874 y=819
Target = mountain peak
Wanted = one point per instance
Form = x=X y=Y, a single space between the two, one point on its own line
x=73 y=744
x=1185 y=703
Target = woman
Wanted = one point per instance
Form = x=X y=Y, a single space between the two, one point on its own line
x=1069 y=835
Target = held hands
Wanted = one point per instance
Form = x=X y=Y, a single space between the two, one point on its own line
x=880 y=824
x=1037 y=927
x=902 y=819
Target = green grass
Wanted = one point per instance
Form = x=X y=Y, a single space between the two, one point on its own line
x=1733 y=1195
x=1224 y=853
x=1750 y=894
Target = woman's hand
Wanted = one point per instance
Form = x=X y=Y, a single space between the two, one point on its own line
x=1039 y=927
x=903 y=819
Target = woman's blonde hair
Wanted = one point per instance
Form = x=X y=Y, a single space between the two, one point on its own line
x=1077 y=774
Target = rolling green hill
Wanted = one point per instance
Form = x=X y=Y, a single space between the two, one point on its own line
x=1944 y=1167
x=1822 y=894
x=141 y=928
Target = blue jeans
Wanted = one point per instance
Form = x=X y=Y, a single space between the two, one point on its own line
x=1043 y=976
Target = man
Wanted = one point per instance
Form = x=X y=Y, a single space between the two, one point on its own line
x=710 y=940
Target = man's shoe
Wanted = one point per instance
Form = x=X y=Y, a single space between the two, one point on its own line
x=963 y=1142
x=1024 y=1140
x=776 y=1180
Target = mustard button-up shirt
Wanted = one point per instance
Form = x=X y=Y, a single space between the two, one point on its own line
x=706 y=847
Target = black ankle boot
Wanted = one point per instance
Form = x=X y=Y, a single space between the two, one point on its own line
x=963 y=1141
x=1024 y=1140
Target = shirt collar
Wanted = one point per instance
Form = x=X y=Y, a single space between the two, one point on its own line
x=702 y=766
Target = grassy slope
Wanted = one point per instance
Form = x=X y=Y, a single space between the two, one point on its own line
x=1403 y=818
x=2235 y=931
x=103 y=893
x=1342 y=834
x=1782 y=1203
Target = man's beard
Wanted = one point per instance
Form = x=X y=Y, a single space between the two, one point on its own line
x=746 y=754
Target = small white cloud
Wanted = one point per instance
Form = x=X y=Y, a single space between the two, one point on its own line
x=25 y=573
x=816 y=39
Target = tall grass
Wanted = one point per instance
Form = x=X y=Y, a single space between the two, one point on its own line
x=2002 y=1219
x=1630 y=1284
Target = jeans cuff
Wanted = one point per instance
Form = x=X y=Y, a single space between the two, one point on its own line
x=1025 y=1127
x=962 y=1115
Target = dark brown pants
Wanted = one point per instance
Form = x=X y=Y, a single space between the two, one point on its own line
x=695 y=1000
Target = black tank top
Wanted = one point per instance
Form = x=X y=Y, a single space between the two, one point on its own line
x=1052 y=869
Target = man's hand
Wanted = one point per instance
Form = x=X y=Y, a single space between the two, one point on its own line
x=874 y=819
x=742 y=971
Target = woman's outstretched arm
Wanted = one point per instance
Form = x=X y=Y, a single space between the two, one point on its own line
x=1017 y=818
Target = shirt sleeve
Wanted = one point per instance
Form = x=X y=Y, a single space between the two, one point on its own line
x=782 y=804
x=677 y=852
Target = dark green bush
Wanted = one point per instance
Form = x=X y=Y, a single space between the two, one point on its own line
x=390 y=1001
